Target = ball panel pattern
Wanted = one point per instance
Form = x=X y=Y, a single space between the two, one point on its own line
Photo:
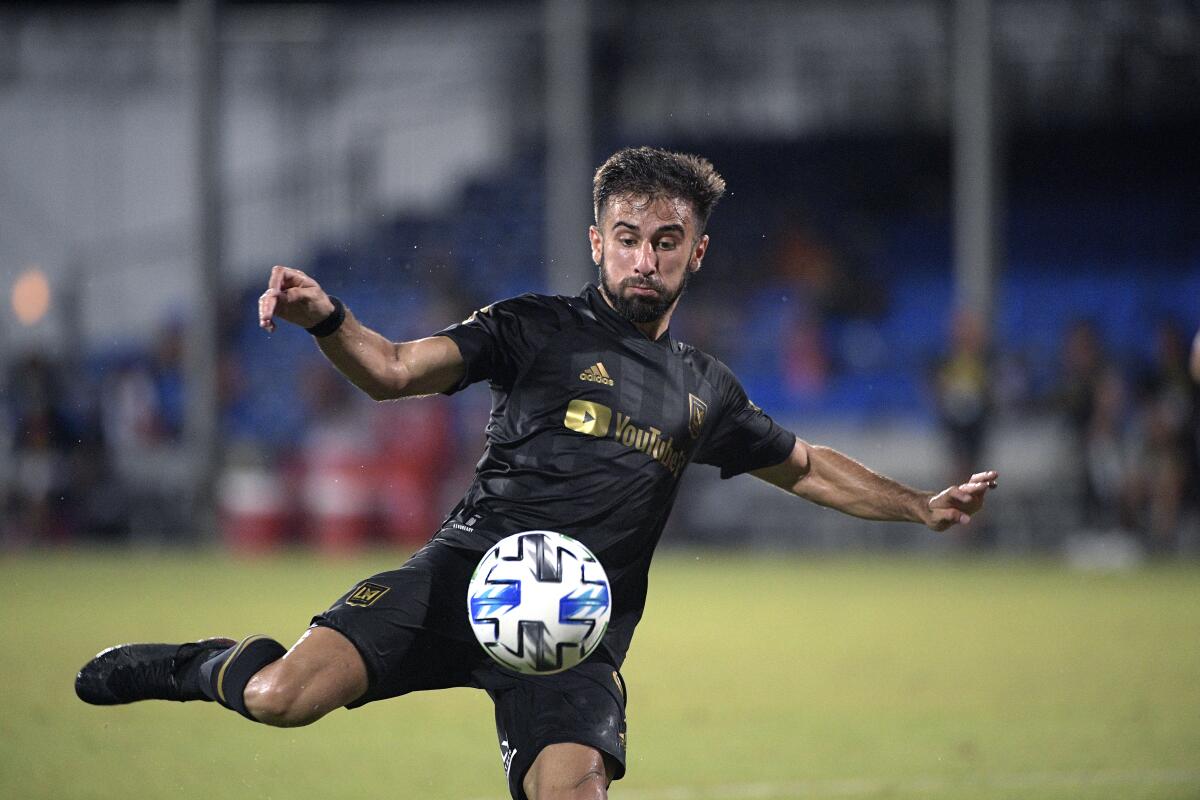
x=539 y=602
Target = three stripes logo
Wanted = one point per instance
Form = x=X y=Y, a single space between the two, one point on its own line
x=596 y=373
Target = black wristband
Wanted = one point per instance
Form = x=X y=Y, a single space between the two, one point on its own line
x=331 y=323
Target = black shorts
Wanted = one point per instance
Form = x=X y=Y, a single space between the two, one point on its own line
x=410 y=627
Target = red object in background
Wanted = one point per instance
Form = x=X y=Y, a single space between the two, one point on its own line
x=337 y=495
x=253 y=510
x=356 y=479
x=414 y=452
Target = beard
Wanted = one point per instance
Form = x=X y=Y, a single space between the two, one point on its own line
x=635 y=308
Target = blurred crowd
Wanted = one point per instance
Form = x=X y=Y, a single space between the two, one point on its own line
x=94 y=454
x=1134 y=428
x=1138 y=434
x=841 y=309
x=96 y=451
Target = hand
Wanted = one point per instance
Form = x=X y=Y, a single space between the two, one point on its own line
x=955 y=505
x=294 y=297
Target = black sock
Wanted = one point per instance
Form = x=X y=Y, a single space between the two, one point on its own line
x=224 y=676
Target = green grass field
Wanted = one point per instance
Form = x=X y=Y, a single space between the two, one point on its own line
x=762 y=676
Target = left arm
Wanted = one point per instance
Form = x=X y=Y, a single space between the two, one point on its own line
x=829 y=478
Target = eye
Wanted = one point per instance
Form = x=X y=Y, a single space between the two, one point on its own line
x=667 y=244
x=626 y=240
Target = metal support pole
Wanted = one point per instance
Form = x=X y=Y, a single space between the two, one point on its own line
x=202 y=423
x=566 y=25
x=975 y=162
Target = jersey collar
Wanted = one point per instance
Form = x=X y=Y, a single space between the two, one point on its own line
x=610 y=317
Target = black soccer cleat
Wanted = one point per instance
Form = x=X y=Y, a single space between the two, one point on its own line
x=130 y=672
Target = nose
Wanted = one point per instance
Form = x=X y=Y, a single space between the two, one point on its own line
x=647 y=259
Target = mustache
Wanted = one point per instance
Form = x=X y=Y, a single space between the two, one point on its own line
x=643 y=283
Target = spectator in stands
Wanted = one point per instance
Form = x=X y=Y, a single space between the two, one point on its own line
x=805 y=358
x=962 y=384
x=142 y=421
x=963 y=388
x=39 y=503
x=1085 y=366
x=1167 y=423
x=829 y=279
x=803 y=259
x=1109 y=462
x=167 y=373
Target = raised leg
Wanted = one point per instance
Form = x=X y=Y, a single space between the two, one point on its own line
x=321 y=672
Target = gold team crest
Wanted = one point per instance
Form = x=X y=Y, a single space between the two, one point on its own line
x=366 y=593
x=697 y=408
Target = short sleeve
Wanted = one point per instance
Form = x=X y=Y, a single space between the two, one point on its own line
x=745 y=438
x=499 y=341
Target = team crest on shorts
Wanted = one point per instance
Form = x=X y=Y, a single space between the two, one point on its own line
x=366 y=593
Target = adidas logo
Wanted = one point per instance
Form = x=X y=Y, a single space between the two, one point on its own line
x=597 y=374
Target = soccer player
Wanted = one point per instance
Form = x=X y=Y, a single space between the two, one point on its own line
x=596 y=412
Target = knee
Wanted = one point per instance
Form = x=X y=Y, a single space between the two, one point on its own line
x=592 y=785
x=568 y=772
x=277 y=703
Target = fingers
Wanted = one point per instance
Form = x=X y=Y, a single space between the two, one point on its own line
x=277 y=275
x=266 y=309
x=975 y=488
x=955 y=504
x=269 y=299
x=967 y=493
x=989 y=477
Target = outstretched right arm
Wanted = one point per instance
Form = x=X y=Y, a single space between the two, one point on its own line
x=384 y=369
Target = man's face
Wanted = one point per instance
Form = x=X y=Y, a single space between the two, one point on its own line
x=645 y=250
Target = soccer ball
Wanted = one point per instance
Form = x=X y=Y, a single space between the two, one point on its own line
x=539 y=602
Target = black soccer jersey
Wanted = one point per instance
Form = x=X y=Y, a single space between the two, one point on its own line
x=592 y=426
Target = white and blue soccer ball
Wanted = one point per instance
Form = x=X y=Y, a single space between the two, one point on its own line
x=539 y=602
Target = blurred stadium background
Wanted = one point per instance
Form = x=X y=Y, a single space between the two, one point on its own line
x=958 y=234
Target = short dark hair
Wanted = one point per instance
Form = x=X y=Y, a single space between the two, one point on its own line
x=654 y=173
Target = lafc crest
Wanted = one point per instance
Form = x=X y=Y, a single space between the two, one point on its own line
x=697 y=408
x=366 y=593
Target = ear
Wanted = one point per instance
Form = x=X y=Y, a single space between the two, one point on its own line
x=597 y=244
x=698 y=254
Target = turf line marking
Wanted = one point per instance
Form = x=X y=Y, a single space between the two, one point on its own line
x=861 y=787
